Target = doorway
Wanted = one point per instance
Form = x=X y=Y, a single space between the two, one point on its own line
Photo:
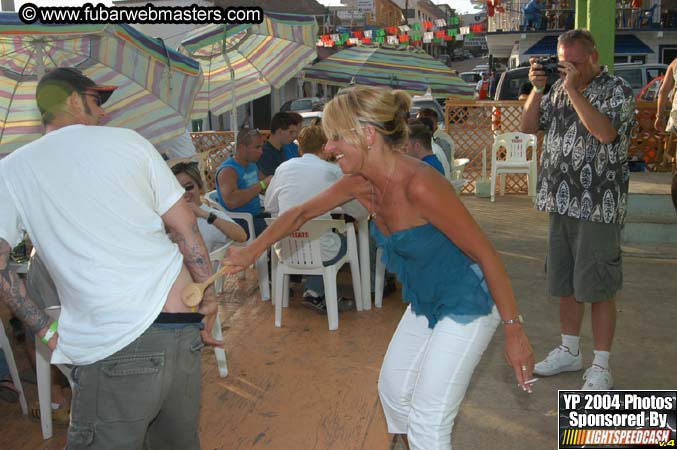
x=667 y=53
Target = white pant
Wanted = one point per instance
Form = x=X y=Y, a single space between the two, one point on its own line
x=425 y=375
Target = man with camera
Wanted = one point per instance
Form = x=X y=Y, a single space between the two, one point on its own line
x=583 y=184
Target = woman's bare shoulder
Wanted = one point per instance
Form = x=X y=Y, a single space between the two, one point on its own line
x=356 y=184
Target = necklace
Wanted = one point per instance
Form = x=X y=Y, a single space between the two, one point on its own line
x=385 y=190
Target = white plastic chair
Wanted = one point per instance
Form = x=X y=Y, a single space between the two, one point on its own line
x=516 y=145
x=215 y=257
x=300 y=254
x=262 y=262
x=43 y=355
x=456 y=174
x=379 y=275
x=13 y=372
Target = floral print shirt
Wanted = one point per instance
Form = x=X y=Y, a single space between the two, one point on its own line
x=580 y=177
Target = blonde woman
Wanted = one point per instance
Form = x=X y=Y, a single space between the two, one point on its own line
x=453 y=278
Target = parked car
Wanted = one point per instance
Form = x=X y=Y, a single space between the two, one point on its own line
x=511 y=80
x=457 y=54
x=444 y=59
x=310 y=117
x=481 y=68
x=649 y=93
x=470 y=77
x=638 y=75
x=303 y=104
x=419 y=102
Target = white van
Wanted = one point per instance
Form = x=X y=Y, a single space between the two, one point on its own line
x=638 y=75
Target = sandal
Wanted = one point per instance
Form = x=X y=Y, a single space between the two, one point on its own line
x=8 y=392
x=60 y=414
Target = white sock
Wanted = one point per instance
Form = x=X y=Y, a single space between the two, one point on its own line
x=601 y=359
x=571 y=342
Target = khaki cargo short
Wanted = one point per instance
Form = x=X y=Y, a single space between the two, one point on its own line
x=584 y=259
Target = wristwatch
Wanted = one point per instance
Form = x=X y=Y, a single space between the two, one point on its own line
x=519 y=319
x=211 y=218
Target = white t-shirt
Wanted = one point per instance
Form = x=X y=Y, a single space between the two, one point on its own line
x=180 y=147
x=437 y=151
x=91 y=199
x=298 y=180
x=213 y=237
x=440 y=134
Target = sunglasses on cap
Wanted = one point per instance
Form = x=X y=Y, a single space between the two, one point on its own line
x=97 y=98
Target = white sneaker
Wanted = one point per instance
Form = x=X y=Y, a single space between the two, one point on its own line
x=597 y=378
x=559 y=360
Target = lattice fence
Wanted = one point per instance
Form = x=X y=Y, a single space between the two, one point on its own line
x=474 y=124
x=646 y=143
x=218 y=146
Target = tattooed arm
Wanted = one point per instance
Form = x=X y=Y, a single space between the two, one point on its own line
x=182 y=227
x=13 y=293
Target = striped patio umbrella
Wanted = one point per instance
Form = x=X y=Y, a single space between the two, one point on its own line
x=157 y=86
x=412 y=70
x=242 y=62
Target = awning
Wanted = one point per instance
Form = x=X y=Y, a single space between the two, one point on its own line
x=626 y=44
x=629 y=44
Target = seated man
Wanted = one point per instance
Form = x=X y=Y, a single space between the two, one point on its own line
x=440 y=137
x=419 y=147
x=298 y=180
x=436 y=149
x=239 y=181
x=282 y=132
x=291 y=150
x=42 y=290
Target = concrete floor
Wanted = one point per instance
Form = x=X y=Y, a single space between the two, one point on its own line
x=303 y=387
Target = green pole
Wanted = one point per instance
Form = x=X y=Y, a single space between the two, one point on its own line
x=581 y=14
x=602 y=25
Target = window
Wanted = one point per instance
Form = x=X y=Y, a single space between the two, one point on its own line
x=654 y=72
x=620 y=59
x=632 y=76
x=638 y=58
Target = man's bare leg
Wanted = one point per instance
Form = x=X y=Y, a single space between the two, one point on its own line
x=604 y=324
x=571 y=315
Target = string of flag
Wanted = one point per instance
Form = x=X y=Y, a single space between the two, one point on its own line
x=415 y=34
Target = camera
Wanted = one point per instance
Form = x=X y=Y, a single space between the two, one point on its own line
x=550 y=65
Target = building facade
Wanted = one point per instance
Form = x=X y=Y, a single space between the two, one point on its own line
x=647 y=34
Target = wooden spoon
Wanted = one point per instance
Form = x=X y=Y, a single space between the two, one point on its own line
x=192 y=294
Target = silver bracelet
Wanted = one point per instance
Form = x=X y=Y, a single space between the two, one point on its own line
x=519 y=319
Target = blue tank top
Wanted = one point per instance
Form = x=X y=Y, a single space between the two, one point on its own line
x=246 y=177
x=435 y=162
x=438 y=279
